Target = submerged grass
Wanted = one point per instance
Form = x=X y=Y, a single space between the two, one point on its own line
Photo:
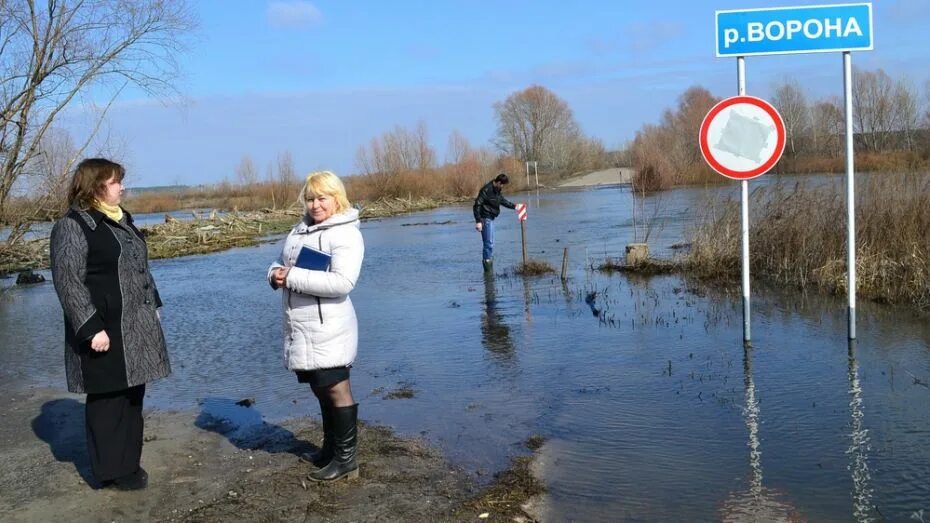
x=534 y=268
x=505 y=497
x=798 y=238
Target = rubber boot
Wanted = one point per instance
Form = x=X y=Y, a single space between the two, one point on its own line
x=345 y=446
x=322 y=456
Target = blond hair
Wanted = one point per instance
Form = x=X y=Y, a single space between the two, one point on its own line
x=325 y=182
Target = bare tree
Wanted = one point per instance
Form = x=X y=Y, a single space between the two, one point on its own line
x=792 y=104
x=53 y=52
x=246 y=173
x=425 y=155
x=458 y=148
x=925 y=121
x=286 y=183
x=873 y=105
x=535 y=124
x=667 y=154
x=588 y=154
x=907 y=111
x=286 y=172
x=47 y=180
x=397 y=151
x=827 y=127
x=926 y=116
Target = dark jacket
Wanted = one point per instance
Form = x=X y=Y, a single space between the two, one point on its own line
x=101 y=274
x=489 y=201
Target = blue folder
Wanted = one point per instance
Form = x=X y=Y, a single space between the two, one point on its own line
x=313 y=260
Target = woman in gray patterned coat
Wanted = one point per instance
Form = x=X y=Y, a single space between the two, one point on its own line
x=114 y=343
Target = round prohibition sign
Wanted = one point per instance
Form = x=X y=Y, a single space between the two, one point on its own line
x=742 y=137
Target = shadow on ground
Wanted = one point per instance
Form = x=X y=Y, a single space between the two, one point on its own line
x=60 y=424
x=244 y=427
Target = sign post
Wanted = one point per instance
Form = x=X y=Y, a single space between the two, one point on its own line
x=805 y=29
x=850 y=198
x=521 y=215
x=741 y=138
x=744 y=216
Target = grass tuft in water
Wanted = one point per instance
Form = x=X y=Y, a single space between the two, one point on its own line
x=798 y=238
x=534 y=268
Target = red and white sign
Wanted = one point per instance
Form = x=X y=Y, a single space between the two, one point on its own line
x=521 y=212
x=742 y=137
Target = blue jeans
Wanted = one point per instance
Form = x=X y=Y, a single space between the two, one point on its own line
x=487 y=238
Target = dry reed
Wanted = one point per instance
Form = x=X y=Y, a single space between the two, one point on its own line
x=534 y=268
x=798 y=238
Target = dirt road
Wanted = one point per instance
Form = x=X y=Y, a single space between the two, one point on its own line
x=606 y=177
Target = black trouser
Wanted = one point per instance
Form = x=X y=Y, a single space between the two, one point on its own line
x=114 y=432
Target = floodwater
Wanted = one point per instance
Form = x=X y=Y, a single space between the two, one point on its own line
x=43 y=229
x=651 y=407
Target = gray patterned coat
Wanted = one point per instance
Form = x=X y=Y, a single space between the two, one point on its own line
x=101 y=274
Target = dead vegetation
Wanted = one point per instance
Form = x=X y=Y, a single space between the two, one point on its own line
x=203 y=235
x=210 y=232
x=890 y=132
x=534 y=268
x=646 y=266
x=384 y=207
x=798 y=238
x=504 y=499
x=404 y=392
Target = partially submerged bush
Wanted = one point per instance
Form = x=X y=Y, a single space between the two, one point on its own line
x=798 y=237
x=534 y=268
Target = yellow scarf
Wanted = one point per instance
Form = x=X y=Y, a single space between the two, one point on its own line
x=113 y=212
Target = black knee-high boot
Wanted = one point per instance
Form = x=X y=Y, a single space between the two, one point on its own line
x=322 y=456
x=345 y=446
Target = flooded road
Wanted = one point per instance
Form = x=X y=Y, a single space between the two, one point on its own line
x=651 y=406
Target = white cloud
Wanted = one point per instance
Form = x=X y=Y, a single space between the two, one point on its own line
x=293 y=14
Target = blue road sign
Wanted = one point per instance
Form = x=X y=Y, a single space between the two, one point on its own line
x=809 y=29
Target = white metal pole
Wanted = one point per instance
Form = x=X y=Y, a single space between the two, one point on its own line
x=850 y=196
x=741 y=90
x=536 y=172
x=527 y=174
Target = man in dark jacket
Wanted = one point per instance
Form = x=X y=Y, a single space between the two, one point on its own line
x=487 y=207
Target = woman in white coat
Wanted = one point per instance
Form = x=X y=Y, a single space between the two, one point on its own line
x=320 y=328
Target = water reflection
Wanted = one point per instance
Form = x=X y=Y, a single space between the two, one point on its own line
x=629 y=441
x=758 y=503
x=858 y=445
x=495 y=333
x=528 y=298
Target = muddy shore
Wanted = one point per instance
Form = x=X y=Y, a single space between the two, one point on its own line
x=205 y=470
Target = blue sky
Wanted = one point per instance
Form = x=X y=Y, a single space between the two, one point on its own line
x=321 y=78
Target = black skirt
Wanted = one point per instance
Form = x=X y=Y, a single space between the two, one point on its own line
x=321 y=378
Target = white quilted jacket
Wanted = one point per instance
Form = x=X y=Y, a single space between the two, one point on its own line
x=320 y=328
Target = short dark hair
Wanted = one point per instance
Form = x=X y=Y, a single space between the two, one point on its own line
x=89 y=178
x=502 y=179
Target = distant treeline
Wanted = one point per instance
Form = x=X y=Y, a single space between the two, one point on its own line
x=890 y=132
x=533 y=125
